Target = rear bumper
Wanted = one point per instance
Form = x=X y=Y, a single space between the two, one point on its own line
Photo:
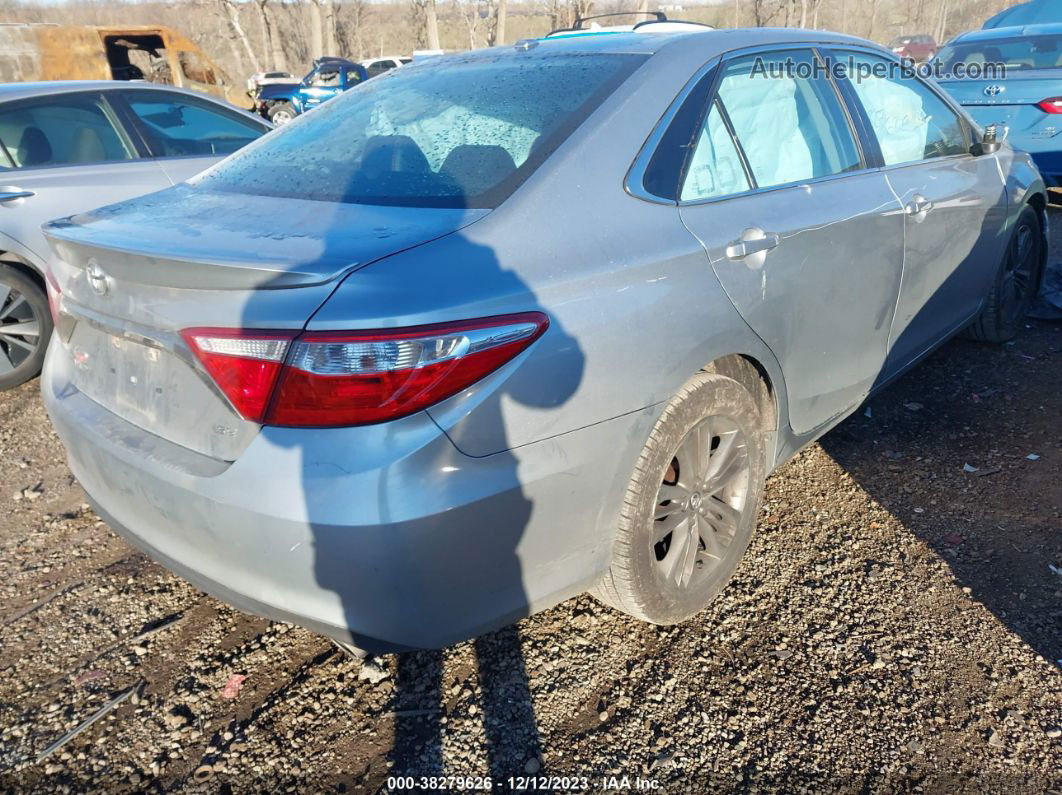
x=384 y=536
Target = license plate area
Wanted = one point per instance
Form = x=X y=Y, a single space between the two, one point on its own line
x=152 y=387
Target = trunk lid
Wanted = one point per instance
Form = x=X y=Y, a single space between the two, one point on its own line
x=133 y=275
x=1034 y=86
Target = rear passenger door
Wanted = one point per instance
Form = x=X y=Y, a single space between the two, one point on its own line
x=64 y=154
x=955 y=202
x=806 y=239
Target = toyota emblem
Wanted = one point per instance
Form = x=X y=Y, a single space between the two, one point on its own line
x=994 y=91
x=96 y=277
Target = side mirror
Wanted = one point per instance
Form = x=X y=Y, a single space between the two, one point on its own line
x=991 y=142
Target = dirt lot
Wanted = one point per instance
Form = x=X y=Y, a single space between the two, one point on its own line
x=896 y=626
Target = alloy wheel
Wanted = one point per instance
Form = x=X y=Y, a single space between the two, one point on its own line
x=1018 y=273
x=20 y=329
x=701 y=500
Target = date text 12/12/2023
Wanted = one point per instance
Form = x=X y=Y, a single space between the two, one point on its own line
x=537 y=783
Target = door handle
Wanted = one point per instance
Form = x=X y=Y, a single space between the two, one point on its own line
x=10 y=194
x=919 y=205
x=752 y=241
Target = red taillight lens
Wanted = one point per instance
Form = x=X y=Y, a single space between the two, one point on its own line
x=54 y=295
x=327 y=379
x=244 y=364
x=1050 y=105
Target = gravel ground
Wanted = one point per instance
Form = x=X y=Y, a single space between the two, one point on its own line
x=896 y=626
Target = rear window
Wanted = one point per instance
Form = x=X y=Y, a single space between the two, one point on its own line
x=459 y=132
x=1027 y=52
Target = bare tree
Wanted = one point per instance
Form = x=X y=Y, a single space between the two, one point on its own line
x=350 y=22
x=233 y=13
x=873 y=18
x=943 y=26
x=426 y=23
x=329 y=31
x=431 y=25
x=274 y=44
x=280 y=34
x=764 y=10
x=469 y=11
x=315 y=22
x=499 y=21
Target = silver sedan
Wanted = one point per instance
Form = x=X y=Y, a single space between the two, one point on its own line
x=490 y=331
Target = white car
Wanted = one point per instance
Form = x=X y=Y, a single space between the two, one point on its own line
x=377 y=66
x=259 y=79
x=66 y=147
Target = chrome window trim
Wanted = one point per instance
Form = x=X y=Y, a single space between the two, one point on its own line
x=633 y=184
x=817 y=51
x=635 y=179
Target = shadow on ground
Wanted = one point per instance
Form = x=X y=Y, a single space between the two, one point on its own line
x=949 y=449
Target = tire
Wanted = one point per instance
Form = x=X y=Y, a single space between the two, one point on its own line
x=23 y=308
x=1015 y=284
x=281 y=113
x=645 y=579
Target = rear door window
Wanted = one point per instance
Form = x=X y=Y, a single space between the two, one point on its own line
x=459 y=132
x=715 y=169
x=909 y=120
x=176 y=125
x=62 y=130
x=787 y=118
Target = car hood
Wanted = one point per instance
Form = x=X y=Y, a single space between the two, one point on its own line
x=187 y=236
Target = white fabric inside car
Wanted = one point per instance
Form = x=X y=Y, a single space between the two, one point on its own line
x=715 y=168
x=767 y=122
x=897 y=116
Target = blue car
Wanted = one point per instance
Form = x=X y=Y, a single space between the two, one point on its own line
x=330 y=77
x=1035 y=12
x=1025 y=95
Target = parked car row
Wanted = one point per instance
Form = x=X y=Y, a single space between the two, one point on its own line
x=521 y=322
x=281 y=100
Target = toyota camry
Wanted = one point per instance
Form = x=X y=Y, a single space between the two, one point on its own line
x=492 y=331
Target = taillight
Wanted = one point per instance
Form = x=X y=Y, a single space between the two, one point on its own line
x=327 y=378
x=1050 y=105
x=54 y=294
x=244 y=364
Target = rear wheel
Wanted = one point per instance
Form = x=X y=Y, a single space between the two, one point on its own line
x=1015 y=284
x=25 y=325
x=281 y=113
x=691 y=505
